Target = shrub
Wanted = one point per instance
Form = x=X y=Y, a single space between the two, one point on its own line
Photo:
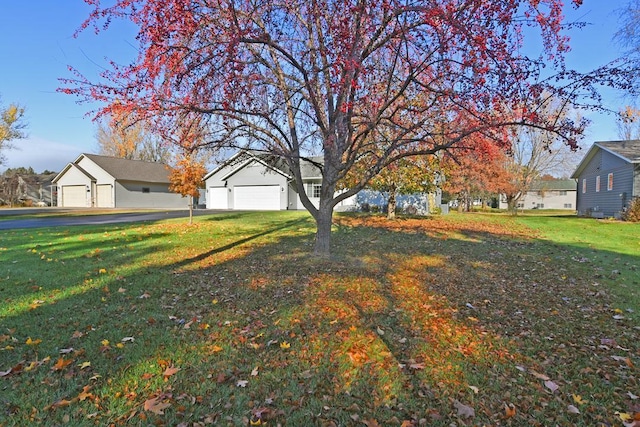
x=632 y=211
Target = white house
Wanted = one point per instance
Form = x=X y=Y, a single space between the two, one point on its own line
x=110 y=182
x=548 y=194
x=258 y=181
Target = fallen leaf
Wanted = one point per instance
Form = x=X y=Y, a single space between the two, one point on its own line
x=624 y=416
x=464 y=411
x=33 y=342
x=379 y=330
x=84 y=394
x=572 y=409
x=542 y=377
x=170 y=371
x=551 y=386
x=128 y=339
x=84 y=365
x=284 y=344
x=156 y=405
x=59 y=404
x=578 y=399
x=474 y=389
x=242 y=383
x=122 y=290
x=509 y=410
x=61 y=364
x=254 y=373
x=631 y=396
x=626 y=360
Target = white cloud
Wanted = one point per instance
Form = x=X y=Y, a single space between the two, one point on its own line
x=40 y=154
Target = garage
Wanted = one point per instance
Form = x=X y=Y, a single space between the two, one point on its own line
x=257 y=197
x=218 y=198
x=103 y=196
x=74 y=196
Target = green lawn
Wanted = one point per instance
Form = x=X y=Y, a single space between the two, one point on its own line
x=454 y=320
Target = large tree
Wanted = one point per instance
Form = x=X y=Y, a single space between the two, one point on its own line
x=346 y=78
x=629 y=33
x=11 y=126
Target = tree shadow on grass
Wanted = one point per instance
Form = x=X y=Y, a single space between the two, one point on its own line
x=399 y=325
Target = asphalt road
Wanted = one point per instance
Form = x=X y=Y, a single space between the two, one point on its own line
x=84 y=217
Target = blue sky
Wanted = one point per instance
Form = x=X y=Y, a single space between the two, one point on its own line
x=37 y=45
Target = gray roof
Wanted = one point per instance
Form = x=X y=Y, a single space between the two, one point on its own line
x=554 y=184
x=131 y=170
x=308 y=166
x=628 y=150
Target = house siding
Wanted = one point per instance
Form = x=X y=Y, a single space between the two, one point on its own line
x=130 y=195
x=605 y=203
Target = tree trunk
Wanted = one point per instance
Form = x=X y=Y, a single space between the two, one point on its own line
x=322 y=246
x=190 y=210
x=391 y=206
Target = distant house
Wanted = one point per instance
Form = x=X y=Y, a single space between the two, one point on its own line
x=27 y=188
x=547 y=194
x=109 y=182
x=608 y=178
x=259 y=181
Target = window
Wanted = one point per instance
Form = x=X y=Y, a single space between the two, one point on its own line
x=584 y=185
x=567 y=206
x=562 y=193
x=146 y=190
x=540 y=206
x=610 y=182
x=315 y=190
x=520 y=205
x=597 y=183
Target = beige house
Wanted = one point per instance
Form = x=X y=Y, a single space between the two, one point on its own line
x=93 y=181
x=548 y=194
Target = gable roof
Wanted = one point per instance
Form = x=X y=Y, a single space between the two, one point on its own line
x=308 y=168
x=554 y=185
x=628 y=151
x=74 y=166
x=125 y=169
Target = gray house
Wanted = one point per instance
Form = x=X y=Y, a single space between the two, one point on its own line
x=110 y=182
x=259 y=181
x=608 y=178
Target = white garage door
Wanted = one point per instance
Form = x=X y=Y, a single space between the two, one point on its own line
x=74 y=196
x=259 y=197
x=218 y=198
x=104 y=196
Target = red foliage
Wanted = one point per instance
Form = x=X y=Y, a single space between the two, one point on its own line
x=354 y=78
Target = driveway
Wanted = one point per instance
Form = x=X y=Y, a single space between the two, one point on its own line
x=54 y=217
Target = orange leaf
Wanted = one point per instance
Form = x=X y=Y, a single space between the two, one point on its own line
x=60 y=364
x=170 y=371
x=509 y=410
